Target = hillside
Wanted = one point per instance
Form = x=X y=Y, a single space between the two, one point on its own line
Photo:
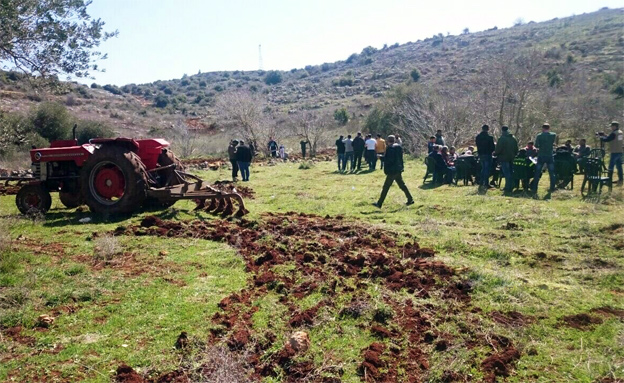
x=571 y=57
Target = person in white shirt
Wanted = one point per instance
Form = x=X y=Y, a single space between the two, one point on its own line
x=371 y=155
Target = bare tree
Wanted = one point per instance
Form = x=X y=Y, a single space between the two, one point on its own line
x=185 y=139
x=313 y=127
x=249 y=113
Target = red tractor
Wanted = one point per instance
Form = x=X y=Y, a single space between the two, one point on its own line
x=114 y=176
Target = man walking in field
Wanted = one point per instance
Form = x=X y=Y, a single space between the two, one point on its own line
x=616 y=146
x=544 y=143
x=393 y=170
x=506 y=150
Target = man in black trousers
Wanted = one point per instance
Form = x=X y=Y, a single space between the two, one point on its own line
x=393 y=168
x=358 y=150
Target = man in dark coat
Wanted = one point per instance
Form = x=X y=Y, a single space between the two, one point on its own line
x=545 y=143
x=272 y=146
x=340 y=150
x=358 y=150
x=303 y=144
x=393 y=169
x=232 y=157
x=439 y=139
x=485 y=148
x=506 y=150
x=243 y=157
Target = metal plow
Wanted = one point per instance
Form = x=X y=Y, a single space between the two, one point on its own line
x=206 y=197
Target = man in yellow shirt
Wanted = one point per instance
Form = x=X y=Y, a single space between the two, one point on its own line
x=380 y=149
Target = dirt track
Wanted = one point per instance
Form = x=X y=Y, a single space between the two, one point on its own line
x=337 y=257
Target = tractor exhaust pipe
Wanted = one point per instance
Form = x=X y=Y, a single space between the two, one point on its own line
x=74 y=131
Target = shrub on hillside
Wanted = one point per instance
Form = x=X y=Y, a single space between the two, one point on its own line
x=273 y=77
x=415 y=74
x=368 y=51
x=342 y=116
x=344 y=81
x=51 y=121
x=327 y=66
x=112 y=88
x=16 y=135
x=92 y=129
x=352 y=58
x=161 y=101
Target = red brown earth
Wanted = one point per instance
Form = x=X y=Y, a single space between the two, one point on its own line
x=8 y=189
x=338 y=257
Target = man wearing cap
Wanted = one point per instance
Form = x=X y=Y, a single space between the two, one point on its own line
x=485 y=148
x=232 y=157
x=616 y=145
x=393 y=169
x=545 y=143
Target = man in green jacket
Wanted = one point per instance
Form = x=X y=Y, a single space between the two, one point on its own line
x=506 y=150
x=545 y=143
x=616 y=147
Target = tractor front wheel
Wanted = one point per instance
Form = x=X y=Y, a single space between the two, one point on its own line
x=71 y=199
x=113 y=181
x=33 y=198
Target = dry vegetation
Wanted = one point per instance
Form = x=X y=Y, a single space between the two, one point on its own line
x=567 y=71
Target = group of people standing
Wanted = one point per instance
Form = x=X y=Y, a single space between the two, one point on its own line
x=350 y=151
x=240 y=156
x=541 y=152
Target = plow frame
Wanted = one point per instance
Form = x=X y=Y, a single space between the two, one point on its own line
x=194 y=188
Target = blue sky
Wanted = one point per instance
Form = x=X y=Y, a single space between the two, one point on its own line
x=165 y=39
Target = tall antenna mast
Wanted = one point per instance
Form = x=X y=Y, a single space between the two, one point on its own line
x=260 y=56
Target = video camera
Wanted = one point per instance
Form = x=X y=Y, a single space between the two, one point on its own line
x=599 y=134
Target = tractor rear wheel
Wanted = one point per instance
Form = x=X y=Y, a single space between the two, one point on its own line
x=113 y=181
x=33 y=198
x=166 y=177
x=71 y=199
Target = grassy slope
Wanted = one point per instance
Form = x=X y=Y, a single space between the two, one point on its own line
x=145 y=299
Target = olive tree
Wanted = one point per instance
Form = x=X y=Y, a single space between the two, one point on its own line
x=50 y=37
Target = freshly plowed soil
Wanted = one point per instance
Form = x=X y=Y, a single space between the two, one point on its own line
x=337 y=257
x=8 y=190
x=582 y=322
x=511 y=318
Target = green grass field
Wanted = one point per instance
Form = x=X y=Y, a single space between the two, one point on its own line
x=125 y=299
